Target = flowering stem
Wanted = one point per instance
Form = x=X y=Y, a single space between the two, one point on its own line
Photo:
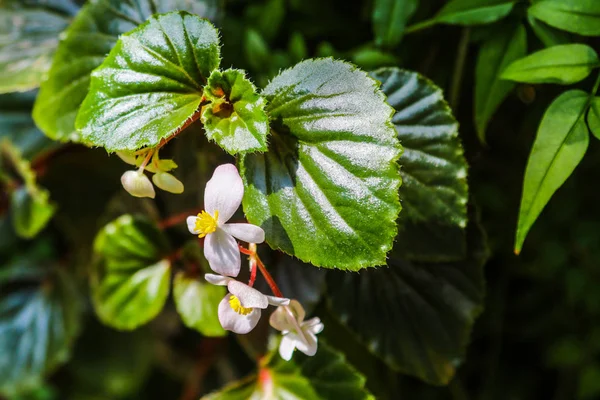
x=177 y=218
x=146 y=160
x=263 y=270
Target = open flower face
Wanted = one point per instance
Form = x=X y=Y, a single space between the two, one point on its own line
x=297 y=333
x=222 y=197
x=240 y=309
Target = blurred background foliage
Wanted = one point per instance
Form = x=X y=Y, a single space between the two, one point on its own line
x=537 y=338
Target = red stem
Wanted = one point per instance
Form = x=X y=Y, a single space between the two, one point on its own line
x=177 y=218
x=268 y=277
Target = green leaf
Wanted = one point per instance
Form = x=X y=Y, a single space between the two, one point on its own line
x=561 y=143
x=581 y=16
x=256 y=50
x=325 y=376
x=19 y=128
x=594 y=117
x=327 y=189
x=389 y=20
x=39 y=319
x=83 y=47
x=151 y=82
x=495 y=54
x=130 y=280
x=28 y=39
x=548 y=35
x=30 y=212
x=474 y=12
x=235 y=118
x=417 y=317
x=197 y=303
x=434 y=192
x=563 y=64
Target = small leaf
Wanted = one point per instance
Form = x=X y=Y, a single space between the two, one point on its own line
x=474 y=12
x=389 y=20
x=594 y=117
x=28 y=39
x=561 y=143
x=495 y=54
x=417 y=317
x=30 y=212
x=83 y=47
x=434 y=170
x=326 y=191
x=151 y=82
x=130 y=280
x=39 y=319
x=325 y=376
x=563 y=64
x=548 y=35
x=235 y=117
x=197 y=303
x=581 y=16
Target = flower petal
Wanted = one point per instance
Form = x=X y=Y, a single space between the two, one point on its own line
x=313 y=325
x=222 y=252
x=218 y=280
x=137 y=184
x=297 y=310
x=278 y=301
x=191 y=224
x=287 y=347
x=224 y=192
x=281 y=320
x=310 y=346
x=249 y=297
x=245 y=232
x=232 y=321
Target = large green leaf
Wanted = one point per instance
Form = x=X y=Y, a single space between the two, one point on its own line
x=325 y=376
x=151 y=83
x=416 y=317
x=28 y=39
x=580 y=16
x=130 y=281
x=561 y=142
x=327 y=189
x=502 y=48
x=564 y=64
x=39 y=318
x=83 y=47
x=434 y=171
x=235 y=118
x=390 y=18
x=594 y=117
x=197 y=303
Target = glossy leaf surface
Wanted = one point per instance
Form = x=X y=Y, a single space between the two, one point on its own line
x=581 y=16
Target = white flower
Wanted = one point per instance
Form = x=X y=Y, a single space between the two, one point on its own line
x=137 y=184
x=222 y=197
x=167 y=182
x=297 y=333
x=240 y=309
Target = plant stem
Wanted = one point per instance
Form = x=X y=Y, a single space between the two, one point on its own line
x=420 y=26
x=177 y=218
x=268 y=277
x=459 y=66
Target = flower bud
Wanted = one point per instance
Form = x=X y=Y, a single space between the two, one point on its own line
x=167 y=182
x=137 y=184
x=128 y=157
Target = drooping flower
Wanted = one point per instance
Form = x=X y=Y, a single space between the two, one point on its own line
x=222 y=197
x=137 y=184
x=160 y=167
x=240 y=309
x=297 y=333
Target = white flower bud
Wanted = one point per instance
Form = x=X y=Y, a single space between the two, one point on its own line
x=167 y=182
x=137 y=184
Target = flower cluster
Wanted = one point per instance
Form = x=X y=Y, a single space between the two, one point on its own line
x=138 y=184
x=240 y=309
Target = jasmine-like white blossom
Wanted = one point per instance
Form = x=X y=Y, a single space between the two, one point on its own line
x=297 y=333
x=222 y=197
x=240 y=309
x=137 y=184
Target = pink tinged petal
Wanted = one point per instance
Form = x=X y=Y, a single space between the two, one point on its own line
x=308 y=347
x=278 y=301
x=287 y=347
x=224 y=192
x=222 y=252
x=249 y=297
x=245 y=232
x=218 y=280
x=191 y=224
x=232 y=321
x=280 y=320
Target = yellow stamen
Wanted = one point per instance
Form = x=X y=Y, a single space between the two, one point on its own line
x=206 y=223
x=235 y=304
